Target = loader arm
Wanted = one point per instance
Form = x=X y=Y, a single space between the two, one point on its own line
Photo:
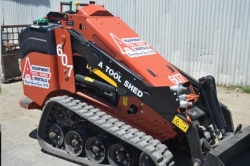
x=128 y=82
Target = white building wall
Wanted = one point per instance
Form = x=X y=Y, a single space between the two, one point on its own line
x=201 y=37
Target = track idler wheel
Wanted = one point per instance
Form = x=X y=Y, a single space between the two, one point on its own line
x=56 y=135
x=122 y=154
x=145 y=160
x=75 y=142
x=97 y=148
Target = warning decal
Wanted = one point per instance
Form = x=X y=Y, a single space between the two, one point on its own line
x=133 y=47
x=34 y=75
x=181 y=124
x=125 y=100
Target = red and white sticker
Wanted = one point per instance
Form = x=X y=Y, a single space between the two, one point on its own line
x=133 y=47
x=35 y=75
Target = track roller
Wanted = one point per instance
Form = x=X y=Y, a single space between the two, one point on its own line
x=56 y=135
x=145 y=160
x=75 y=142
x=122 y=154
x=97 y=148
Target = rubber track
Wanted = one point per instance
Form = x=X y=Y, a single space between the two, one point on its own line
x=153 y=147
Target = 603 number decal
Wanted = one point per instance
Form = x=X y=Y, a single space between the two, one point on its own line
x=64 y=58
x=176 y=79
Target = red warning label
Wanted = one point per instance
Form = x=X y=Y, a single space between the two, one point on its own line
x=34 y=75
x=133 y=47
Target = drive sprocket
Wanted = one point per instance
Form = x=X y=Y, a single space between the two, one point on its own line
x=63 y=115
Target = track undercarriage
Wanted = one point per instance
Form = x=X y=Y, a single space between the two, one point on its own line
x=76 y=131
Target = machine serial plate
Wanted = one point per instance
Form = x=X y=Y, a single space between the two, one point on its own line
x=180 y=123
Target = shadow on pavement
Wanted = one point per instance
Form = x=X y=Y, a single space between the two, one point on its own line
x=12 y=80
x=33 y=133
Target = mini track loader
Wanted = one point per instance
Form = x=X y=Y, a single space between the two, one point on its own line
x=109 y=98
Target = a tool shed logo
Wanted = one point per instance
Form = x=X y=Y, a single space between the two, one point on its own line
x=35 y=75
x=133 y=47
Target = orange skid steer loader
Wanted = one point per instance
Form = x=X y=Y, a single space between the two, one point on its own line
x=109 y=98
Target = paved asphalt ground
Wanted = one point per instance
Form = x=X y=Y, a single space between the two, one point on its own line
x=19 y=143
